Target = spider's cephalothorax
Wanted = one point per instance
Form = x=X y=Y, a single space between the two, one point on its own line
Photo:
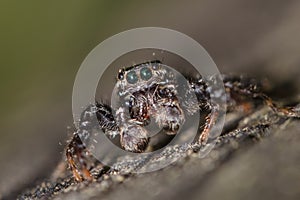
x=147 y=92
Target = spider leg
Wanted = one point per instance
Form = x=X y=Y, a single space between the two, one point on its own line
x=235 y=88
x=199 y=89
x=167 y=111
x=210 y=121
x=76 y=152
x=133 y=136
x=203 y=102
x=251 y=88
x=78 y=156
x=170 y=117
x=283 y=111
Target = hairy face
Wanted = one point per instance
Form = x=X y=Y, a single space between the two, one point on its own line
x=149 y=90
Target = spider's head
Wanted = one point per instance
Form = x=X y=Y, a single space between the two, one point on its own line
x=140 y=77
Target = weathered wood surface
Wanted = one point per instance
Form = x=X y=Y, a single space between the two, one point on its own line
x=259 y=159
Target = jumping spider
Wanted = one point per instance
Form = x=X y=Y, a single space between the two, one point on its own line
x=149 y=91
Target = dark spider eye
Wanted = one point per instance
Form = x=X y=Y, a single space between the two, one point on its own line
x=145 y=73
x=131 y=77
x=121 y=74
x=155 y=66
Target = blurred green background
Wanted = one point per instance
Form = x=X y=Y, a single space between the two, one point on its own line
x=42 y=44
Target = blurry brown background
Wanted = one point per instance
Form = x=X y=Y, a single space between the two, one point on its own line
x=42 y=45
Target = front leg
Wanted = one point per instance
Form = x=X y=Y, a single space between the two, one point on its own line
x=133 y=135
x=168 y=112
x=78 y=156
x=134 y=138
x=200 y=97
x=210 y=121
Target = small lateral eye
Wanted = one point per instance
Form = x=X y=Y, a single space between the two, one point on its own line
x=131 y=77
x=155 y=66
x=121 y=74
x=145 y=73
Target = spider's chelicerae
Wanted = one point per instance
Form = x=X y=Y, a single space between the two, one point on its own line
x=149 y=91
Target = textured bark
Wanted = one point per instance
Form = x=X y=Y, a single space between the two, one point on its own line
x=258 y=159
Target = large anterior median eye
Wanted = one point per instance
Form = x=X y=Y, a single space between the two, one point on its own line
x=145 y=73
x=131 y=77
